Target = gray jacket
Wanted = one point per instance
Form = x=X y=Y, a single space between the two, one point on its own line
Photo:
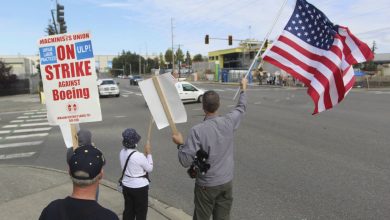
x=215 y=136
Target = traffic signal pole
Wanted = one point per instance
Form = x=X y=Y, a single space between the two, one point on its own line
x=54 y=21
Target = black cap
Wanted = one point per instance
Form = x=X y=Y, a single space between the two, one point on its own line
x=88 y=159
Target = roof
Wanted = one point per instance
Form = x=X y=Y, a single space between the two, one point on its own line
x=382 y=58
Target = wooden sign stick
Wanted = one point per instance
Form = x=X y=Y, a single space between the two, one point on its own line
x=75 y=139
x=164 y=103
x=150 y=128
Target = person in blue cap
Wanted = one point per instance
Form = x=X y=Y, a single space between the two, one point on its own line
x=135 y=182
x=86 y=170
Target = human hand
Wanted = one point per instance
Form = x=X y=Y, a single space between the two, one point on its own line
x=177 y=138
x=148 y=148
x=243 y=84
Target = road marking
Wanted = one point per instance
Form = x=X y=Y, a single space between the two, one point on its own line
x=7 y=113
x=16 y=121
x=229 y=106
x=138 y=94
x=12 y=156
x=257 y=103
x=10 y=126
x=37 y=119
x=32 y=130
x=41 y=112
x=34 y=124
x=196 y=109
x=125 y=96
x=29 y=113
x=120 y=116
x=22 y=117
x=27 y=136
x=21 y=144
x=38 y=116
x=5 y=132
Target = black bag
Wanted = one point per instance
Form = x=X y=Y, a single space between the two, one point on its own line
x=120 y=184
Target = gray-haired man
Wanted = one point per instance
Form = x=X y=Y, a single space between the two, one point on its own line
x=86 y=171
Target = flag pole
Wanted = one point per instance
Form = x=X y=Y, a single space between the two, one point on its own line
x=262 y=45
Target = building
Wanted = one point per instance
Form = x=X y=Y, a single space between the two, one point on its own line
x=22 y=66
x=237 y=58
x=383 y=60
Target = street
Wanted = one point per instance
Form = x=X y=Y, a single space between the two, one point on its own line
x=289 y=164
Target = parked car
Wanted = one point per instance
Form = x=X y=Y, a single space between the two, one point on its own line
x=108 y=87
x=188 y=92
x=135 y=79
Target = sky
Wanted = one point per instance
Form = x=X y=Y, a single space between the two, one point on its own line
x=144 y=26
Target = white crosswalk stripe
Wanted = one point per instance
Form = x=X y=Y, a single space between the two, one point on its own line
x=21 y=144
x=37 y=119
x=38 y=116
x=13 y=156
x=10 y=126
x=16 y=121
x=32 y=130
x=27 y=136
x=26 y=131
x=34 y=124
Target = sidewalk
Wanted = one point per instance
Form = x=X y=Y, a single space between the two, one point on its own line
x=26 y=190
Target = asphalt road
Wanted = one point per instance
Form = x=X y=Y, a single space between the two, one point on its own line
x=288 y=163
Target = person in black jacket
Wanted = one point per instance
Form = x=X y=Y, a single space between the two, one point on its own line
x=86 y=171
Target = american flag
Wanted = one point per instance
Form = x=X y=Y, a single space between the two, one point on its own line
x=318 y=53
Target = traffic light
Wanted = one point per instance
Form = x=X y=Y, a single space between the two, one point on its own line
x=63 y=28
x=230 y=40
x=61 y=18
x=60 y=13
x=206 y=39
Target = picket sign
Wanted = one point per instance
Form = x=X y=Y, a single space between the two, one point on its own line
x=69 y=134
x=163 y=101
x=69 y=82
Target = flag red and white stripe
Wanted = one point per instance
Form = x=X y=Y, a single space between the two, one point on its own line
x=328 y=72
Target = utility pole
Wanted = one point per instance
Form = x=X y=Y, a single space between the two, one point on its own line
x=139 y=65
x=173 y=54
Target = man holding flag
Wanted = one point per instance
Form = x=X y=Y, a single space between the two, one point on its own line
x=318 y=53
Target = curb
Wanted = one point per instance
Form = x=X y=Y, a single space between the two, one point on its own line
x=165 y=210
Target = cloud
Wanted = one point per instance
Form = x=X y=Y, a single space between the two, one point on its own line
x=193 y=19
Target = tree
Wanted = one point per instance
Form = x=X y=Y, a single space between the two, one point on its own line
x=370 y=65
x=188 y=59
x=374 y=47
x=169 y=56
x=179 y=56
x=162 y=61
x=127 y=61
x=50 y=30
x=197 y=58
x=6 y=77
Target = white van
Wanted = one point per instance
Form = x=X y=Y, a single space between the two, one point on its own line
x=189 y=92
